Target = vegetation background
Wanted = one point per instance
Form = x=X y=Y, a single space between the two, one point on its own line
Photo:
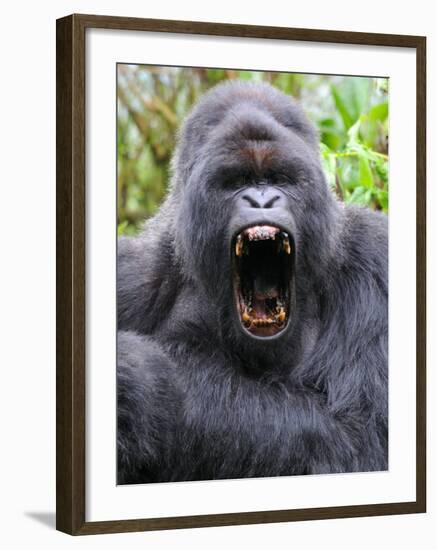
x=351 y=114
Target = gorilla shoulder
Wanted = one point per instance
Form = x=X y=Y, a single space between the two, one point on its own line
x=366 y=236
x=148 y=278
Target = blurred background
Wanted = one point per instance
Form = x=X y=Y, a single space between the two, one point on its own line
x=351 y=114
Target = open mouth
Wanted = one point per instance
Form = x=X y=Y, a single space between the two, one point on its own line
x=263 y=270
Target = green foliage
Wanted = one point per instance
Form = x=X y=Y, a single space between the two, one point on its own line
x=351 y=114
x=357 y=166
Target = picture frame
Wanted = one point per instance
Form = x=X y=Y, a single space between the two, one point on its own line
x=71 y=234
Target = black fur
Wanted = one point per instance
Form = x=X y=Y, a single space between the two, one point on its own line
x=197 y=397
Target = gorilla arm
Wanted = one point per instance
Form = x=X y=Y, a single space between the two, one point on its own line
x=208 y=421
x=147 y=405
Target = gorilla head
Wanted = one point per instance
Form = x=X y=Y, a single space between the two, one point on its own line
x=255 y=217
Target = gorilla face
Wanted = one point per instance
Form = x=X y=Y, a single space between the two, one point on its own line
x=251 y=196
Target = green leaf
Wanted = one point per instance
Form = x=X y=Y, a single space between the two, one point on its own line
x=353 y=133
x=351 y=97
x=365 y=172
x=381 y=168
x=215 y=75
x=342 y=107
x=121 y=229
x=360 y=94
x=382 y=197
x=329 y=164
x=378 y=112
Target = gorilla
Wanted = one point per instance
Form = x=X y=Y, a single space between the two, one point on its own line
x=252 y=309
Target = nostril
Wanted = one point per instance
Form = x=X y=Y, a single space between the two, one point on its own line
x=261 y=197
x=252 y=202
x=272 y=201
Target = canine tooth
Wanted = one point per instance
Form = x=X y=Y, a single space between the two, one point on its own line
x=281 y=315
x=246 y=317
x=239 y=246
x=287 y=247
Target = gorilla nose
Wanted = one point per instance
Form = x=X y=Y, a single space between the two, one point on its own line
x=262 y=197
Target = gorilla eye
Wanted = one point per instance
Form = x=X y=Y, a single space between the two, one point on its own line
x=282 y=180
x=285 y=180
x=277 y=178
x=236 y=183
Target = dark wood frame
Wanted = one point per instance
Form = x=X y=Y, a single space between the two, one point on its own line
x=70 y=275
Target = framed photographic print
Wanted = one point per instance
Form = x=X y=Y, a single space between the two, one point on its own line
x=240 y=274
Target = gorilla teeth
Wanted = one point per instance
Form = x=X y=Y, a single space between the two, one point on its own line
x=281 y=315
x=247 y=320
x=239 y=246
x=263 y=322
x=286 y=244
x=261 y=232
x=277 y=319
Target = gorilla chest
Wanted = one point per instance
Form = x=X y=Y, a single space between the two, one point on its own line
x=236 y=427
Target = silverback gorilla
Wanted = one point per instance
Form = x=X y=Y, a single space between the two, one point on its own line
x=252 y=310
